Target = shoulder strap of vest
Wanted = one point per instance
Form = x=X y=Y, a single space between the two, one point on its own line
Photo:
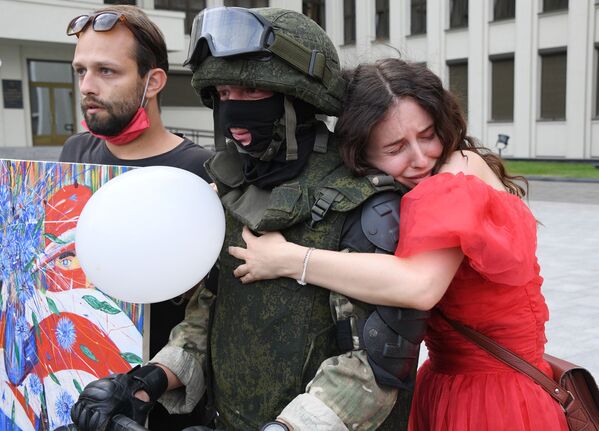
x=343 y=192
x=322 y=138
x=323 y=203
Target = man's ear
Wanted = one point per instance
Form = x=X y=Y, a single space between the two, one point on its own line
x=156 y=82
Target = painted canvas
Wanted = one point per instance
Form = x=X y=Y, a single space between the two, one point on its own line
x=57 y=332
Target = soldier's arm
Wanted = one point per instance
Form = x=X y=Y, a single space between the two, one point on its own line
x=343 y=395
x=346 y=388
x=184 y=356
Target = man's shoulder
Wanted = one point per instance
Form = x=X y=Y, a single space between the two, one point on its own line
x=192 y=149
x=81 y=148
x=187 y=155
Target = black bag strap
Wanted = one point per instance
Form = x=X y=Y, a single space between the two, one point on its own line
x=557 y=392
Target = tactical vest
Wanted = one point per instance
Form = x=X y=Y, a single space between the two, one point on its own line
x=268 y=338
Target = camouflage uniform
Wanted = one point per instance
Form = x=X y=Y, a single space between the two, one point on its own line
x=272 y=343
x=341 y=392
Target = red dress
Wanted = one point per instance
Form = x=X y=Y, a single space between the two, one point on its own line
x=497 y=291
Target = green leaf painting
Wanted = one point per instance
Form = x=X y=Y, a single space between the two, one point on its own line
x=132 y=358
x=36 y=326
x=100 y=305
x=52 y=306
x=77 y=386
x=54 y=378
x=55 y=239
x=88 y=352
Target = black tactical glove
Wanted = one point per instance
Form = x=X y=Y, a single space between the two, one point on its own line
x=102 y=399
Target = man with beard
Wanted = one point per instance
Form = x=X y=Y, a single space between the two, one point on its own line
x=121 y=63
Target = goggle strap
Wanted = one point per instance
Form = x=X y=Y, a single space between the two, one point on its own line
x=290 y=125
x=312 y=63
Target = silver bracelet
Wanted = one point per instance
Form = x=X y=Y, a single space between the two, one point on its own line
x=302 y=280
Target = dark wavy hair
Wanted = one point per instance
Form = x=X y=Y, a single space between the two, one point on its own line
x=373 y=88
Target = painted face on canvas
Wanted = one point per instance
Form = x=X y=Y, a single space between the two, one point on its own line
x=61 y=268
x=404 y=143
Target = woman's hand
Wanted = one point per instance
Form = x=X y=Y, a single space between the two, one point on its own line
x=266 y=257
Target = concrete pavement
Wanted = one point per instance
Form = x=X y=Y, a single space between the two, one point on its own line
x=48 y=153
x=568 y=252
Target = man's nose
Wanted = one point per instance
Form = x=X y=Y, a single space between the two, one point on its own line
x=87 y=84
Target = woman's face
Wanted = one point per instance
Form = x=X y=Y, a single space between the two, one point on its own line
x=404 y=143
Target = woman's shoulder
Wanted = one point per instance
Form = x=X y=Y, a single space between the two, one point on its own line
x=471 y=163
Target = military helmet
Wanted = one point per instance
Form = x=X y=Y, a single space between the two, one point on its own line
x=276 y=49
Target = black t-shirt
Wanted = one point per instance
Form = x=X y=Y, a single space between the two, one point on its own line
x=86 y=148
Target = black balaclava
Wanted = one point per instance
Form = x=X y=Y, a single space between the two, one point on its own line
x=265 y=162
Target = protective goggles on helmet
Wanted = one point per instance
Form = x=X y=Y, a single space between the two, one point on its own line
x=102 y=21
x=227 y=31
x=233 y=31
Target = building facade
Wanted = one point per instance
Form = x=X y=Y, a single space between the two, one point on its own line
x=525 y=69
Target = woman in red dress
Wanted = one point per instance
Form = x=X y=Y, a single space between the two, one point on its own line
x=467 y=247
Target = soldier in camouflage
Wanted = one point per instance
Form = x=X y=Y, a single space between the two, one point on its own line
x=278 y=354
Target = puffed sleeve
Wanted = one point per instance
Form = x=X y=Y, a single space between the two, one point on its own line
x=494 y=229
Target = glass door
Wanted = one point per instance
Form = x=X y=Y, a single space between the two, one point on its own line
x=51 y=92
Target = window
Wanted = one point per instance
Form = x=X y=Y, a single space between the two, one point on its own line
x=504 y=9
x=246 y=3
x=458 y=13
x=458 y=82
x=315 y=10
x=553 y=85
x=551 y=5
x=349 y=21
x=178 y=91
x=502 y=89
x=382 y=19
x=418 y=16
x=190 y=7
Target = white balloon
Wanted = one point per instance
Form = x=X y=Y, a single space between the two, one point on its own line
x=150 y=234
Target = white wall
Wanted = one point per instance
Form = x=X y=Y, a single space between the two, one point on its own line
x=47 y=20
x=526 y=34
x=576 y=29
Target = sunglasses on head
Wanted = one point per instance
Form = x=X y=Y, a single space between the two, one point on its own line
x=102 y=21
x=105 y=21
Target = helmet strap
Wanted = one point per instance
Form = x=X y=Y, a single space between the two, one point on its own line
x=275 y=144
x=290 y=126
x=219 y=137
